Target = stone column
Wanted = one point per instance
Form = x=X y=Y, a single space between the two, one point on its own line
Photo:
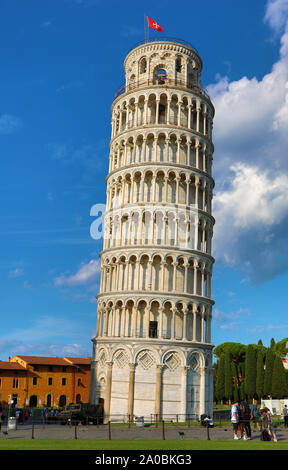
x=184 y=393
x=158 y=391
x=132 y=368
x=185 y=314
x=107 y=401
x=93 y=382
x=202 y=390
x=194 y=322
x=168 y=111
x=147 y=321
x=160 y=334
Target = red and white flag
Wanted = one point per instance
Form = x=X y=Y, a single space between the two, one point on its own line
x=152 y=24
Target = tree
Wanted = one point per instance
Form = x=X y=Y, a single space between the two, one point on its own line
x=260 y=374
x=282 y=347
x=268 y=372
x=228 y=377
x=272 y=343
x=220 y=380
x=250 y=374
x=279 y=385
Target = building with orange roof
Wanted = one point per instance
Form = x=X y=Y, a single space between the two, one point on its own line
x=37 y=381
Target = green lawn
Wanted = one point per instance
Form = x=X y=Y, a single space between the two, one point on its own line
x=89 y=444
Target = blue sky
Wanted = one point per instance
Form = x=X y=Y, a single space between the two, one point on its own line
x=61 y=62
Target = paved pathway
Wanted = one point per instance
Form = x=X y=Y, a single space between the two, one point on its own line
x=123 y=432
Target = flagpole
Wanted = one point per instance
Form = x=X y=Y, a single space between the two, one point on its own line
x=145 y=20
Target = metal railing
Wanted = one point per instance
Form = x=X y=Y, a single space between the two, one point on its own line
x=163 y=82
x=163 y=39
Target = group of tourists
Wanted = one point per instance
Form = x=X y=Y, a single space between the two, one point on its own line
x=49 y=414
x=242 y=415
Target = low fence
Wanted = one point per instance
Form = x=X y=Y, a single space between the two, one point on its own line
x=115 y=428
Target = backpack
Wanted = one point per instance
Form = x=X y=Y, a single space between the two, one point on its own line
x=265 y=435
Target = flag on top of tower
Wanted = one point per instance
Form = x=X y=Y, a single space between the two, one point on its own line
x=154 y=25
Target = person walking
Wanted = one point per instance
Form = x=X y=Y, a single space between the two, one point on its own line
x=268 y=424
x=246 y=412
x=285 y=414
x=235 y=419
x=255 y=418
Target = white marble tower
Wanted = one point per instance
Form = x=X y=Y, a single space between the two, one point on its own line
x=152 y=354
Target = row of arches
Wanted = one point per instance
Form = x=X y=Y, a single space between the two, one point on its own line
x=162 y=147
x=194 y=358
x=185 y=275
x=158 y=108
x=159 y=65
x=159 y=186
x=51 y=401
x=159 y=227
x=190 y=322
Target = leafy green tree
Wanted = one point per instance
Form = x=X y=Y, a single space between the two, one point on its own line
x=236 y=393
x=220 y=379
x=268 y=372
x=279 y=385
x=260 y=374
x=250 y=372
x=272 y=343
x=228 y=377
x=282 y=347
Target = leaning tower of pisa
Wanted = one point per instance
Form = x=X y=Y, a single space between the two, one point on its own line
x=152 y=354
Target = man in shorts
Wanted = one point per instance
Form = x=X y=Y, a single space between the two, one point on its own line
x=235 y=419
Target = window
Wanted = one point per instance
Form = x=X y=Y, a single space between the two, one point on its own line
x=35 y=367
x=15 y=383
x=50 y=368
x=178 y=65
x=0 y=382
x=143 y=65
x=63 y=381
x=50 y=380
x=79 y=382
x=34 y=381
x=161 y=76
x=153 y=329
x=64 y=369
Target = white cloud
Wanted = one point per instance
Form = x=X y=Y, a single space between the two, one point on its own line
x=251 y=166
x=9 y=124
x=16 y=272
x=27 y=285
x=276 y=14
x=86 y=274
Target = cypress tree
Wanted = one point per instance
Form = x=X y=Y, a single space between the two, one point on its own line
x=260 y=374
x=228 y=377
x=250 y=372
x=268 y=372
x=279 y=386
x=220 y=381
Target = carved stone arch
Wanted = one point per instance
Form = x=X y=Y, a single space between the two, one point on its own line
x=143 y=255
x=161 y=256
x=170 y=255
x=129 y=300
x=196 y=359
x=154 y=300
x=139 y=301
x=146 y=357
x=121 y=356
x=173 y=359
x=103 y=356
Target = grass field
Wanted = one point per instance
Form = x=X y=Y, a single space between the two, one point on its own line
x=89 y=444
